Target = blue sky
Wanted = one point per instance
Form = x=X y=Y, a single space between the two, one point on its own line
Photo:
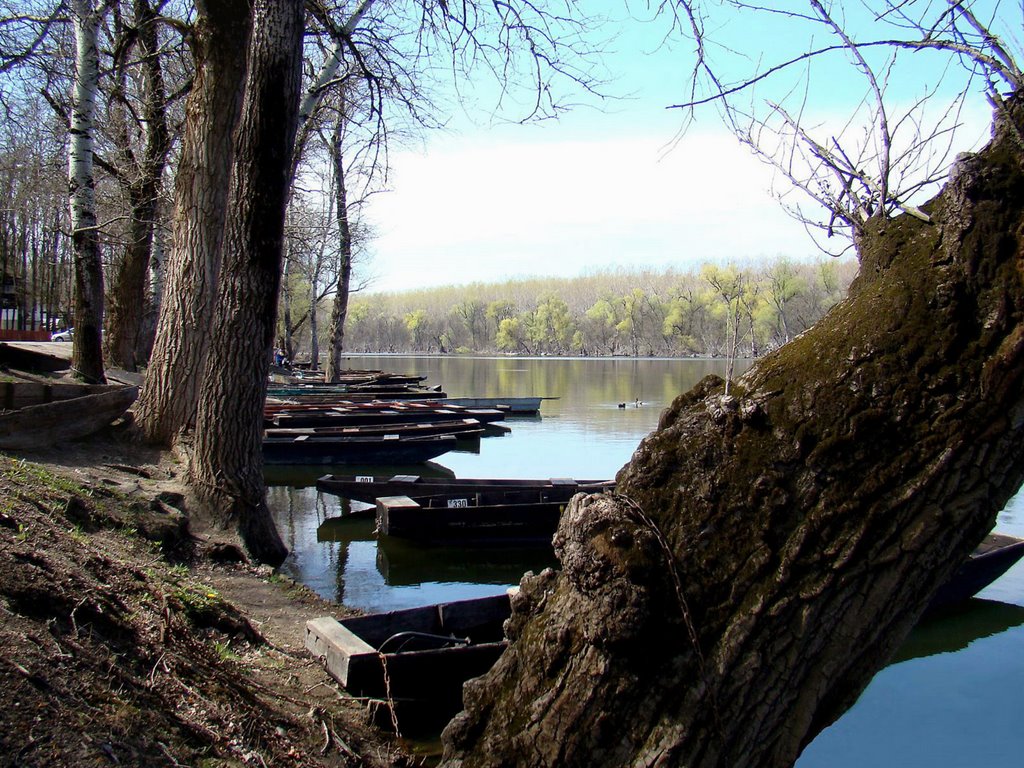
x=606 y=186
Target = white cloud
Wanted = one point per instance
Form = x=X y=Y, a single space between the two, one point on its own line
x=477 y=211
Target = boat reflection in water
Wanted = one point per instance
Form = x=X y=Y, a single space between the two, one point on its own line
x=403 y=563
x=955 y=629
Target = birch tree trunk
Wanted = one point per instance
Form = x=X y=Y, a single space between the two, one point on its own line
x=87 y=354
x=767 y=552
x=339 y=309
x=226 y=468
x=167 y=403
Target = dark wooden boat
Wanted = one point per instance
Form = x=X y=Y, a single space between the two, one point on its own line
x=352 y=415
x=369 y=487
x=413 y=661
x=358 y=392
x=38 y=414
x=350 y=377
x=463 y=428
x=306 y=475
x=495 y=517
x=331 y=449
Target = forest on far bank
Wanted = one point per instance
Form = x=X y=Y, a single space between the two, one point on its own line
x=716 y=310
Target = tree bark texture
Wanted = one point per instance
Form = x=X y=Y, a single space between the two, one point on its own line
x=126 y=343
x=226 y=468
x=767 y=551
x=87 y=354
x=339 y=309
x=167 y=403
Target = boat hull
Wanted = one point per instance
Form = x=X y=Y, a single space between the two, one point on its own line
x=467 y=524
x=47 y=414
x=313 y=449
x=422 y=683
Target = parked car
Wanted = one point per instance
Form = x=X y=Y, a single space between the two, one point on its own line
x=66 y=335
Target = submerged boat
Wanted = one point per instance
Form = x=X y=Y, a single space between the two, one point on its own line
x=333 y=449
x=428 y=653
x=369 y=487
x=413 y=662
x=35 y=414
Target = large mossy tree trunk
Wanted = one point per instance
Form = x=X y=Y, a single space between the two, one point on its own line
x=226 y=466
x=768 y=550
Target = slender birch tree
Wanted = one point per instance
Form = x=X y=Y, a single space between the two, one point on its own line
x=339 y=307
x=87 y=356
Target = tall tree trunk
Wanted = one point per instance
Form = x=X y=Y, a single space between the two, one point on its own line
x=286 y=297
x=126 y=343
x=309 y=104
x=226 y=468
x=154 y=285
x=314 y=328
x=767 y=552
x=87 y=355
x=167 y=403
x=339 y=309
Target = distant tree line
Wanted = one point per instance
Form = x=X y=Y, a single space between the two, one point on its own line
x=715 y=310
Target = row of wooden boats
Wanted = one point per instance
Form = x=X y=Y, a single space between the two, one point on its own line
x=427 y=653
x=359 y=385
x=388 y=432
x=369 y=417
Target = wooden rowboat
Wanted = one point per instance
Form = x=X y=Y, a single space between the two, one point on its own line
x=369 y=487
x=35 y=415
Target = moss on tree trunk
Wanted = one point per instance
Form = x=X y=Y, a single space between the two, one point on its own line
x=770 y=549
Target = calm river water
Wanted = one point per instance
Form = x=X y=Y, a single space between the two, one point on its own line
x=952 y=701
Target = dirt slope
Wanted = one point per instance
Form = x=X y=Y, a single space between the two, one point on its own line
x=123 y=643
